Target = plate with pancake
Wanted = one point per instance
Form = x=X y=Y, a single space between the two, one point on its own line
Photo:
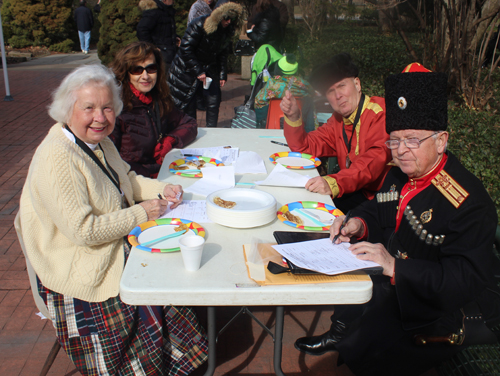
x=191 y=166
x=308 y=215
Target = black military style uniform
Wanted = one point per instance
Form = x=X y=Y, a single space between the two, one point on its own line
x=442 y=249
x=435 y=274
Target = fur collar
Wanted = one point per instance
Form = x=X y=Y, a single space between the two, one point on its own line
x=232 y=10
x=147 y=5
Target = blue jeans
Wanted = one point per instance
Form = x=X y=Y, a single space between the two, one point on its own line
x=84 y=40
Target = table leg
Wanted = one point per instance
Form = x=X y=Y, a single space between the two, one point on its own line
x=278 y=340
x=212 y=341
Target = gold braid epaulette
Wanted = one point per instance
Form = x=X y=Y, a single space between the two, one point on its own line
x=450 y=188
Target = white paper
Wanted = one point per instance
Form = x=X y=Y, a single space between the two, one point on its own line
x=323 y=256
x=194 y=210
x=225 y=154
x=249 y=162
x=282 y=177
x=213 y=180
x=40 y=314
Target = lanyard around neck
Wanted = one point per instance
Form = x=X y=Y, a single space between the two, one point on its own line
x=114 y=179
x=356 y=119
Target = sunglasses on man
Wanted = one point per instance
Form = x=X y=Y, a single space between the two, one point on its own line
x=137 y=70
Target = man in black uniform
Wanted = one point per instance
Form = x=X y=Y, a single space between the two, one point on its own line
x=431 y=228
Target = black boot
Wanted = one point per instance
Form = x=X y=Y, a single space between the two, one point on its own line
x=318 y=345
x=212 y=114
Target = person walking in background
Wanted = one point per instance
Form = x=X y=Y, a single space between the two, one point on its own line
x=84 y=22
x=199 y=8
x=255 y=16
x=202 y=56
x=265 y=27
x=157 y=26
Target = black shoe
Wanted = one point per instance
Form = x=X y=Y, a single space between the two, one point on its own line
x=318 y=345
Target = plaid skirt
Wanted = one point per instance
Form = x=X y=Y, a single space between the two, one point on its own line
x=113 y=338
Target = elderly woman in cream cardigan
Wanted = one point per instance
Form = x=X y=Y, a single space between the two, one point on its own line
x=79 y=202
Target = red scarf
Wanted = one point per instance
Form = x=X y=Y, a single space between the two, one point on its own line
x=144 y=98
x=415 y=186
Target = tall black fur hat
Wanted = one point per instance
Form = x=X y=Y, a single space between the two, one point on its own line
x=334 y=70
x=416 y=99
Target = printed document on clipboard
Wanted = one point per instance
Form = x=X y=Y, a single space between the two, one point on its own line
x=323 y=256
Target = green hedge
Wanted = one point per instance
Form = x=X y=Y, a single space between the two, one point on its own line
x=474 y=136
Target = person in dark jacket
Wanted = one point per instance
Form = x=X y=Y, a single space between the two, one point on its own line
x=202 y=55
x=199 y=8
x=84 y=22
x=431 y=228
x=149 y=125
x=157 y=26
x=268 y=21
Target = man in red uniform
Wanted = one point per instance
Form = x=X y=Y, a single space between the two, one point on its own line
x=355 y=134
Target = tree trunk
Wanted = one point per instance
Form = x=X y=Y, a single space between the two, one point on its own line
x=384 y=22
x=290 y=6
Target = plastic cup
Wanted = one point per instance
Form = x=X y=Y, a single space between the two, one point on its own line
x=191 y=250
x=208 y=81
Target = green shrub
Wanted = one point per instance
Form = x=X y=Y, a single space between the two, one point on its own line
x=66 y=46
x=37 y=22
x=475 y=139
x=119 y=20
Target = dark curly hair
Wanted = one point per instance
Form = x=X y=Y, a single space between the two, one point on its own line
x=131 y=56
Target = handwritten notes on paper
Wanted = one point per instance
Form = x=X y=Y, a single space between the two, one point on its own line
x=323 y=256
x=195 y=210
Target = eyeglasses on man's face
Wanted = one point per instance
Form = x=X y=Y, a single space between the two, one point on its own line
x=410 y=143
x=137 y=70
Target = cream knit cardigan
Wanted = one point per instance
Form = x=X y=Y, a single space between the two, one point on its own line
x=71 y=220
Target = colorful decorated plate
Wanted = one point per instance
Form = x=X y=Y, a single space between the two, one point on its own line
x=151 y=230
x=188 y=167
x=308 y=215
x=296 y=160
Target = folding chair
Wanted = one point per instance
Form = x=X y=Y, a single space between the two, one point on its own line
x=275 y=117
x=40 y=304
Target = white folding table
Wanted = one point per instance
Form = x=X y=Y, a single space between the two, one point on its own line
x=222 y=280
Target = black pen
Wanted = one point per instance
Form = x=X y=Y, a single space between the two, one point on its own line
x=344 y=222
x=192 y=155
x=279 y=143
x=159 y=196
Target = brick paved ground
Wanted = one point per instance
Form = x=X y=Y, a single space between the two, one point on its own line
x=25 y=339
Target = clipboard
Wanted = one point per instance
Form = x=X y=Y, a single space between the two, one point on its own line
x=285 y=237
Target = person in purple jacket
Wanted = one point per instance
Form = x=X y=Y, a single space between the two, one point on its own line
x=149 y=125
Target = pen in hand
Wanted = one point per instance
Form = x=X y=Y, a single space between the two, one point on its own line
x=279 y=143
x=344 y=222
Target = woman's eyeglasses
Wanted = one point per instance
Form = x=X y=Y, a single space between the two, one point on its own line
x=228 y=18
x=137 y=70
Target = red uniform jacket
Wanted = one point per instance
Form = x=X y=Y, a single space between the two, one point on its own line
x=369 y=155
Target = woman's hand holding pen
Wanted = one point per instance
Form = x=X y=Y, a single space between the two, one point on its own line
x=154 y=208
x=353 y=227
x=157 y=207
x=173 y=193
